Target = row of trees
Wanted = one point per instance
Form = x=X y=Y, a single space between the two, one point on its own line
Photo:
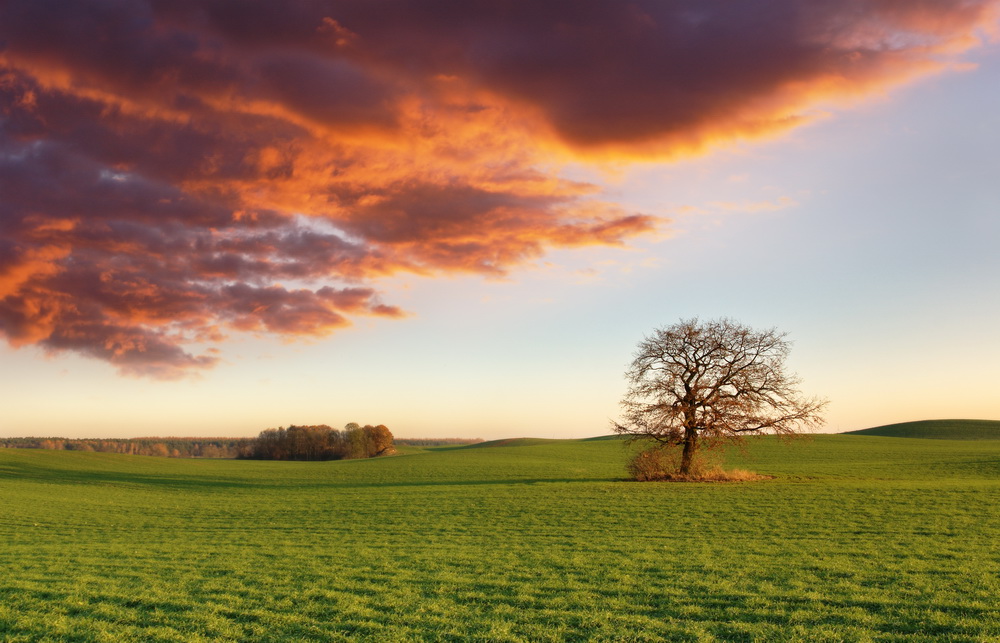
x=318 y=442
x=321 y=442
x=437 y=442
x=164 y=447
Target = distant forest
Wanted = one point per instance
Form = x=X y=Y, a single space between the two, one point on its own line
x=437 y=442
x=164 y=447
x=184 y=447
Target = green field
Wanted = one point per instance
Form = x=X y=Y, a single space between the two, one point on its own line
x=857 y=538
x=938 y=429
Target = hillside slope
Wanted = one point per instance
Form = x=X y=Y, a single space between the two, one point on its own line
x=937 y=430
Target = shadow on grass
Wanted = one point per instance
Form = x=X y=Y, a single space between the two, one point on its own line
x=114 y=478
x=27 y=471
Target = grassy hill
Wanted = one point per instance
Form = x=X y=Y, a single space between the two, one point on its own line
x=874 y=539
x=938 y=430
x=511 y=442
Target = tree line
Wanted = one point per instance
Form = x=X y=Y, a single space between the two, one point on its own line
x=316 y=442
x=155 y=446
x=437 y=442
x=321 y=442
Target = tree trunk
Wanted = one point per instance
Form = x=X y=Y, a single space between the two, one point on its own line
x=690 y=446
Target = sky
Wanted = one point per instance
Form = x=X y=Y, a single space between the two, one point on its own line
x=458 y=218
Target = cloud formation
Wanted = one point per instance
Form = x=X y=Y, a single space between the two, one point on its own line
x=173 y=170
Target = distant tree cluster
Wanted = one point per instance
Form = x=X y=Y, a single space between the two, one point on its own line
x=164 y=447
x=437 y=442
x=318 y=442
x=321 y=442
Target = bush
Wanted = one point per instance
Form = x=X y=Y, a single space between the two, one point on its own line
x=656 y=463
x=663 y=463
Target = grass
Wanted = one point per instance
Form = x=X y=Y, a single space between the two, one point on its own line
x=854 y=539
x=710 y=475
x=938 y=429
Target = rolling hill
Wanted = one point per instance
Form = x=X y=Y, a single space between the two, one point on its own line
x=937 y=430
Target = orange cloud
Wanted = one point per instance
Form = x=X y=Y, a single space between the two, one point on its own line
x=168 y=166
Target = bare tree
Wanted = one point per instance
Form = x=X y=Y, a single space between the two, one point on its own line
x=697 y=384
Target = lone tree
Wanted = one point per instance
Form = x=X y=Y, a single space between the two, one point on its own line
x=697 y=384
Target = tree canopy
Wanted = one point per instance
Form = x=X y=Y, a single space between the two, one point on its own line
x=694 y=384
x=321 y=442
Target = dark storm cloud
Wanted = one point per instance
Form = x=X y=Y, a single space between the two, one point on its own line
x=174 y=170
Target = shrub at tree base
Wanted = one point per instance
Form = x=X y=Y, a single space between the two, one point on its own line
x=663 y=463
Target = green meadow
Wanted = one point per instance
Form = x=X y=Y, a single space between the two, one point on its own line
x=856 y=538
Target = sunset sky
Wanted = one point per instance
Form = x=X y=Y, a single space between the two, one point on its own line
x=458 y=217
